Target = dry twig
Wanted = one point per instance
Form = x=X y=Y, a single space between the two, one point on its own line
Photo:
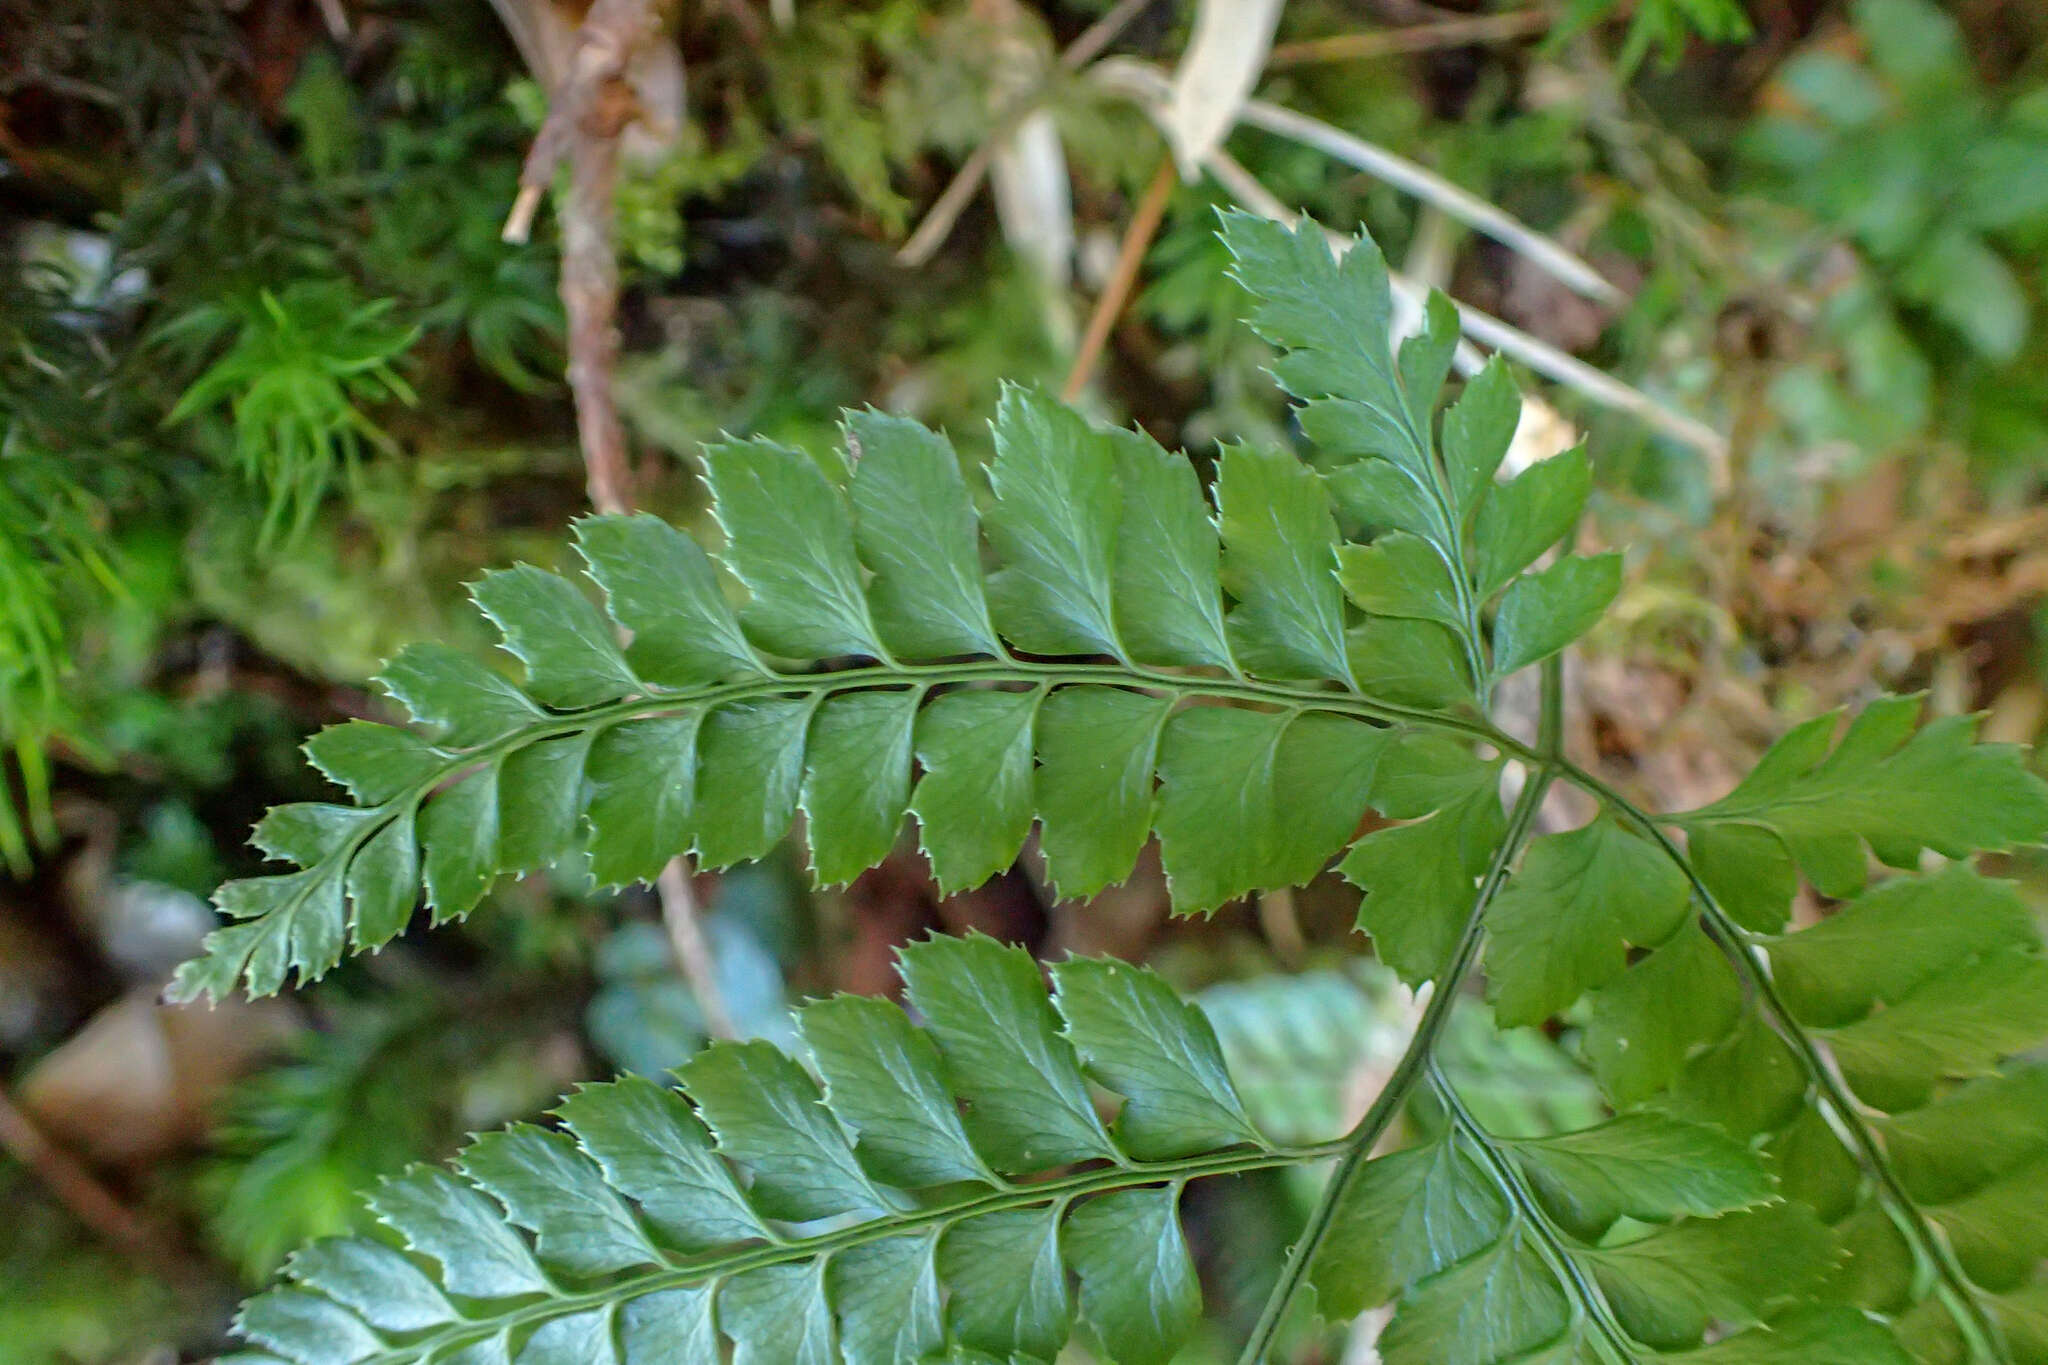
x=590 y=109
x=1130 y=256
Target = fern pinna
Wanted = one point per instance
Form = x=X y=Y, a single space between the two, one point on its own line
x=1820 y=1149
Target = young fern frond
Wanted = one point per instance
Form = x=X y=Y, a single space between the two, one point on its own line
x=1243 y=685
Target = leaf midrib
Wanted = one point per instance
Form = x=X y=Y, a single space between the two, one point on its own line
x=660 y=700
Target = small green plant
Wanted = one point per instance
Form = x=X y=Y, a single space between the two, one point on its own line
x=1816 y=1152
x=302 y=366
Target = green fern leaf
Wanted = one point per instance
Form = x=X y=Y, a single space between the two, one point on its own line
x=646 y=1239
x=1561 y=926
x=1885 y=784
x=686 y=740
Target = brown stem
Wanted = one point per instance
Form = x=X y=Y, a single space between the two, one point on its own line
x=1129 y=257
x=590 y=298
x=77 y=1188
x=589 y=109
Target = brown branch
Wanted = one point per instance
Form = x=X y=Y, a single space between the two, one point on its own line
x=693 y=950
x=1129 y=258
x=590 y=108
x=74 y=1186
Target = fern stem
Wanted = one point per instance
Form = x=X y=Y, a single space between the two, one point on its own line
x=1614 y=1340
x=1838 y=1106
x=1358 y=1144
x=923 y=677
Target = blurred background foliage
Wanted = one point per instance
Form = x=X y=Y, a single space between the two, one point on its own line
x=272 y=389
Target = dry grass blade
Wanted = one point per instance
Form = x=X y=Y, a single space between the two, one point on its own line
x=1130 y=256
x=1150 y=86
x=1464 y=31
x=938 y=221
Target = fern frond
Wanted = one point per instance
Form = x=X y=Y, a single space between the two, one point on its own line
x=875 y=670
x=1783 y=1174
x=953 y=1186
x=917 y=1199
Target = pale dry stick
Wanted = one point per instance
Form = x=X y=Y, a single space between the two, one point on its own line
x=938 y=221
x=1130 y=256
x=75 y=1187
x=693 y=950
x=589 y=110
x=1467 y=30
x=1150 y=86
x=1540 y=356
x=336 y=19
x=1431 y=188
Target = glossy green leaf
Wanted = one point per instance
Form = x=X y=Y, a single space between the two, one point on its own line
x=884 y=1080
x=1280 y=564
x=1405 y=1217
x=571 y=653
x=1563 y=925
x=466 y=702
x=764 y=1110
x=1401 y=575
x=750 y=764
x=1641 y=1166
x=1005 y=1055
x=557 y=1193
x=1009 y=1283
x=915 y=526
x=459 y=831
x=1528 y=514
x=653 y=1148
x=1169 y=609
x=1478 y=429
x=1233 y=810
x=642 y=783
x=1054 y=526
x=1147 y=1044
x=1668 y=1287
x=660 y=585
x=857 y=781
x=973 y=803
x=1421 y=881
x=1542 y=613
x=1097 y=748
x=1502 y=1302
x=373 y=762
x=789 y=540
x=1138 y=1290
x=887 y=1293
x=1889 y=785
